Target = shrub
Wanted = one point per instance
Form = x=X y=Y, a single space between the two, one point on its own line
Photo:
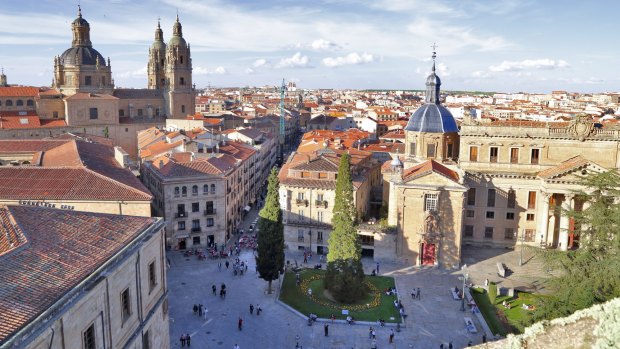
x=492 y=292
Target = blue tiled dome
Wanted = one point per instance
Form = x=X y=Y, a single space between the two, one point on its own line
x=432 y=118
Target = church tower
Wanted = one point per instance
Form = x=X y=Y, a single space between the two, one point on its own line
x=178 y=92
x=432 y=132
x=81 y=68
x=3 y=82
x=157 y=61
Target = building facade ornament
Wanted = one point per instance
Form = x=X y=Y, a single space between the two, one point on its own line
x=581 y=127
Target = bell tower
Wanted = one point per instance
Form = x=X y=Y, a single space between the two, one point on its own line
x=157 y=61
x=179 y=91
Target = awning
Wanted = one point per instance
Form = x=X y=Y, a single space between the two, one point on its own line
x=247 y=208
x=183 y=236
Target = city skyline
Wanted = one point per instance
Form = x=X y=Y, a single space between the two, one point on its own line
x=505 y=46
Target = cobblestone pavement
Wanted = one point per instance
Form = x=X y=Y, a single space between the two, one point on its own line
x=433 y=320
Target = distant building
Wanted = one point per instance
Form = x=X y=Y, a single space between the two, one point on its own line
x=81 y=280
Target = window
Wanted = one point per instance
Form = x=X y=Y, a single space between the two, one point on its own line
x=305 y=174
x=471 y=197
x=181 y=61
x=529 y=217
x=55 y=115
x=195 y=224
x=529 y=235
x=509 y=233
x=488 y=232
x=491 y=198
x=469 y=213
x=322 y=175
x=176 y=191
x=205 y=189
x=209 y=207
x=319 y=216
x=300 y=235
x=430 y=202
x=412 y=148
x=535 y=156
x=319 y=236
x=514 y=155
x=140 y=112
x=121 y=112
x=367 y=240
x=195 y=207
x=152 y=276
x=9 y=103
x=531 y=200
x=89 y=337
x=210 y=222
x=511 y=201
x=468 y=231
x=94 y=113
x=195 y=190
x=184 y=191
x=473 y=154
x=300 y=196
x=319 y=197
x=181 y=225
x=510 y=216
x=157 y=112
x=212 y=188
x=196 y=240
x=450 y=150
x=19 y=103
x=301 y=214
x=146 y=340
x=430 y=150
x=493 y=154
x=490 y=215
x=88 y=80
x=125 y=305
x=30 y=103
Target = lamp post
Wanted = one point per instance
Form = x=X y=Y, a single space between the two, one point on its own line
x=521 y=255
x=465 y=276
x=310 y=238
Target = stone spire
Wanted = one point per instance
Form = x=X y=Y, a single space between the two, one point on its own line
x=433 y=83
x=81 y=31
x=3 y=82
x=177 y=29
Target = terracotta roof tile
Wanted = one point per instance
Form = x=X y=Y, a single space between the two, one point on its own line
x=563 y=167
x=428 y=167
x=18 y=91
x=63 y=249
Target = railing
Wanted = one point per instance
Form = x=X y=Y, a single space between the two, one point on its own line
x=319 y=240
x=321 y=203
x=308 y=223
x=301 y=202
x=180 y=214
x=300 y=239
x=210 y=212
x=196 y=230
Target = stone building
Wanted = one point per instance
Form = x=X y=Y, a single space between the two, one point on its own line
x=81 y=280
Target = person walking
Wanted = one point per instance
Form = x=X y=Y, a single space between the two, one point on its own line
x=417 y=294
x=188 y=339
x=373 y=334
x=450 y=345
x=370 y=333
x=391 y=336
x=377 y=268
x=373 y=344
x=227 y=264
x=204 y=313
x=252 y=309
x=214 y=289
x=258 y=310
x=240 y=323
x=195 y=308
x=326 y=329
x=200 y=310
x=182 y=339
x=236 y=346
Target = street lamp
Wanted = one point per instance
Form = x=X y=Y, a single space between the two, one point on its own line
x=465 y=276
x=310 y=238
x=521 y=255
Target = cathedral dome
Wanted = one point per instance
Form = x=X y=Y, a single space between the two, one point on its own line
x=81 y=55
x=432 y=118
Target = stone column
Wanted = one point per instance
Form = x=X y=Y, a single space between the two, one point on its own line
x=393 y=205
x=567 y=205
x=543 y=218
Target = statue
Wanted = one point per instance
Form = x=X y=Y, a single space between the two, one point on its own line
x=431 y=223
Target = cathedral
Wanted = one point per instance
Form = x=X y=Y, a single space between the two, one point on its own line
x=83 y=97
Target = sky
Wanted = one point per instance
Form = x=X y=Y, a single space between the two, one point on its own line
x=499 y=45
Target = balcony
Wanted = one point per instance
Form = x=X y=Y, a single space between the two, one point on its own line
x=321 y=203
x=319 y=240
x=308 y=223
x=180 y=214
x=210 y=212
x=301 y=202
x=196 y=230
x=300 y=239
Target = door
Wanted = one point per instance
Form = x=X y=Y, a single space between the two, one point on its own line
x=428 y=254
x=182 y=244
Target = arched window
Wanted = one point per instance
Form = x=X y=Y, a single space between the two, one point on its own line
x=30 y=102
x=176 y=191
x=19 y=103
x=195 y=190
x=184 y=191
x=205 y=189
x=9 y=103
x=212 y=188
x=183 y=109
x=181 y=59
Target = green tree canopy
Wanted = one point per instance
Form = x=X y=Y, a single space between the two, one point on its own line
x=270 y=258
x=590 y=274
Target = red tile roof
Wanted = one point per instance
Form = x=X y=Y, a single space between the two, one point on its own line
x=565 y=166
x=10 y=120
x=61 y=249
x=428 y=167
x=19 y=91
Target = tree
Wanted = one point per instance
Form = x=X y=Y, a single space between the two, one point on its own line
x=270 y=258
x=345 y=274
x=590 y=274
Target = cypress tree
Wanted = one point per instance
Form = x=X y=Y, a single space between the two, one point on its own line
x=345 y=274
x=270 y=258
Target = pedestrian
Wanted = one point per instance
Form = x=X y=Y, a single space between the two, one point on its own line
x=240 y=323
x=326 y=328
x=219 y=266
x=258 y=310
x=377 y=268
x=227 y=264
x=370 y=333
x=413 y=293
x=374 y=334
x=195 y=308
x=305 y=257
x=333 y=317
x=200 y=310
x=417 y=293
x=204 y=313
x=236 y=346
x=484 y=338
x=188 y=339
x=296 y=341
x=441 y=346
x=214 y=289
x=373 y=344
x=450 y=345
x=252 y=309
x=391 y=335
x=182 y=339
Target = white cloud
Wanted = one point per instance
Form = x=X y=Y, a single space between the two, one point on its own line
x=321 y=44
x=259 y=63
x=351 y=58
x=529 y=64
x=142 y=72
x=249 y=71
x=295 y=61
x=205 y=71
x=480 y=74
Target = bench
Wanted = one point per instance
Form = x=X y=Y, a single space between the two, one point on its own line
x=469 y=325
x=455 y=295
x=501 y=270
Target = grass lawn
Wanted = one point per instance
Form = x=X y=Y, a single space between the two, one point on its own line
x=502 y=320
x=293 y=295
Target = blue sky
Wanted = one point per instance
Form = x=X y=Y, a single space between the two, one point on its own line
x=501 y=45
